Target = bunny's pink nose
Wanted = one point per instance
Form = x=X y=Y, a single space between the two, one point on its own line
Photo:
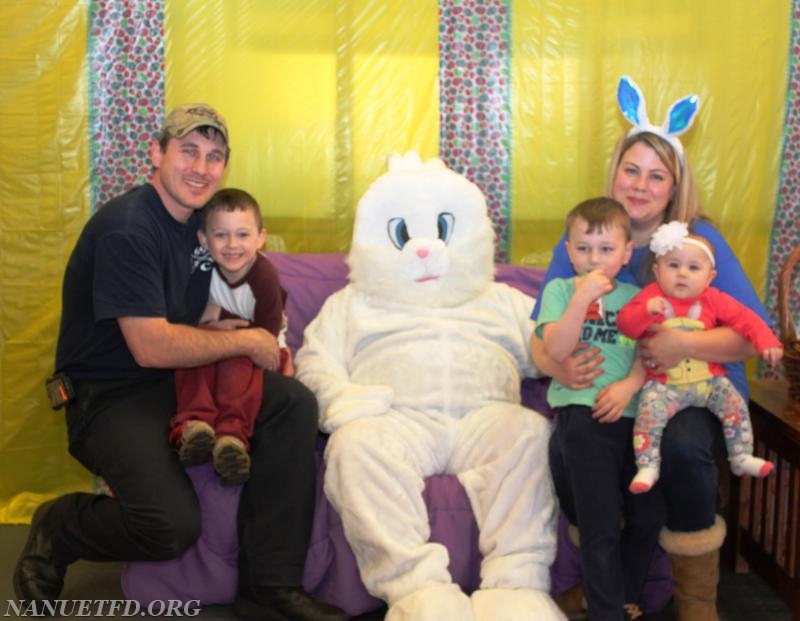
x=422 y=252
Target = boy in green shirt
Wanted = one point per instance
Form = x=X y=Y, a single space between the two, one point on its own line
x=594 y=425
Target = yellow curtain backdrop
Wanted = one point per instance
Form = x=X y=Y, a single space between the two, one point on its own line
x=317 y=93
x=323 y=90
x=44 y=178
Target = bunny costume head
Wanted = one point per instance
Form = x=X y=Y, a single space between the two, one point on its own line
x=422 y=236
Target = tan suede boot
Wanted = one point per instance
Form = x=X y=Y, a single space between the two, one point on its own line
x=694 y=560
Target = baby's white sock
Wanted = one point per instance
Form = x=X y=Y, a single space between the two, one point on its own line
x=748 y=464
x=644 y=479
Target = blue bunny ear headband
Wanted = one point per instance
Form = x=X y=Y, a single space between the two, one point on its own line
x=680 y=115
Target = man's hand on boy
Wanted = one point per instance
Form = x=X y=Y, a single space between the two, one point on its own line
x=263 y=348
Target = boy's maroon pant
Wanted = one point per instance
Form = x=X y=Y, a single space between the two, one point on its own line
x=225 y=394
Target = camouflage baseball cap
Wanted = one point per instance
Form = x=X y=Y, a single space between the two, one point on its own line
x=187 y=117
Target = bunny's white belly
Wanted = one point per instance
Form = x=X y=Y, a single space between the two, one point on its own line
x=445 y=360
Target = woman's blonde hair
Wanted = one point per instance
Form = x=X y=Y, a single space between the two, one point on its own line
x=684 y=205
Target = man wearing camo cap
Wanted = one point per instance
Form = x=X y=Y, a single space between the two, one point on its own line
x=134 y=289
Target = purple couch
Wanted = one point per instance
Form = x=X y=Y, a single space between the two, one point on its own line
x=207 y=572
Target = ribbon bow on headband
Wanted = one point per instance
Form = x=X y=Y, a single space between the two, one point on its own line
x=680 y=115
x=672 y=236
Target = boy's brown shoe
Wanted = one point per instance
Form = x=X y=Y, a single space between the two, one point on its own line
x=196 y=442
x=231 y=460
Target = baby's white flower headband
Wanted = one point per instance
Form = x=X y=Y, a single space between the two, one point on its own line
x=672 y=236
x=680 y=115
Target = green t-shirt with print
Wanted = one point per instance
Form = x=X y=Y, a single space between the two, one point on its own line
x=599 y=330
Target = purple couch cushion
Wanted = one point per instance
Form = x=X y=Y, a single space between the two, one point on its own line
x=208 y=571
x=308 y=279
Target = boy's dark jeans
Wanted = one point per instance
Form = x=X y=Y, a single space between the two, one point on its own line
x=592 y=464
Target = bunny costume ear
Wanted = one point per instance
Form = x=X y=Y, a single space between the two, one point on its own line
x=411 y=161
x=680 y=115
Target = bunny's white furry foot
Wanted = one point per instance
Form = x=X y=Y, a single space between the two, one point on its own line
x=514 y=605
x=432 y=603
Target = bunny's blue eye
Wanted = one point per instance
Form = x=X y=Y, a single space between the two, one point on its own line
x=445 y=223
x=398 y=232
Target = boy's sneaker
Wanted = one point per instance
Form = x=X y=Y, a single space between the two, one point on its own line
x=231 y=461
x=196 y=443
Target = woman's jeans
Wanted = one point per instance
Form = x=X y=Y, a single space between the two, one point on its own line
x=691 y=446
